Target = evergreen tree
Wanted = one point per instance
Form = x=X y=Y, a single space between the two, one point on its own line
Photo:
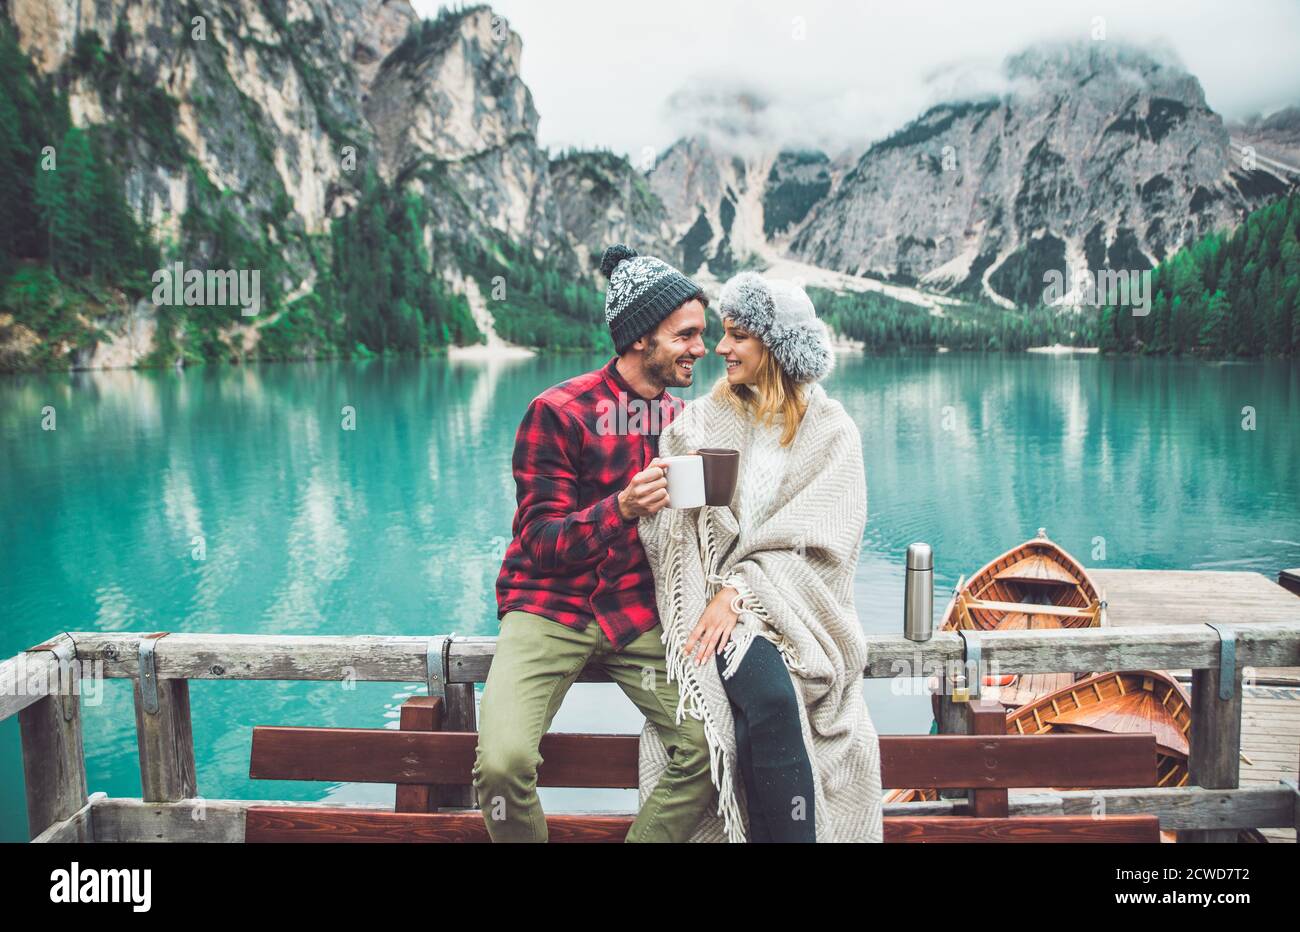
x=14 y=198
x=1214 y=328
x=1160 y=322
x=74 y=226
x=51 y=209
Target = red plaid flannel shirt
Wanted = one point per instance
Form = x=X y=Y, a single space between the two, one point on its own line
x=573 y=557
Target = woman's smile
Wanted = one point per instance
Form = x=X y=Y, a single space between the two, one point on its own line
x=741 y=352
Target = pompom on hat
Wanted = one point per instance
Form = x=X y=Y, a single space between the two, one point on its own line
x=642 y=291
x=781 y=314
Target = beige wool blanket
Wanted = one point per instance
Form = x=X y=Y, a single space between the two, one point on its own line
x=794 y=567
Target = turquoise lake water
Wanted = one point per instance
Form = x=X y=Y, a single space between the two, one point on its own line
x=398 y=526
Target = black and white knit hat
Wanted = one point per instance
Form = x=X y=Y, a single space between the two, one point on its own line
x=781 y=314
x=642 y=291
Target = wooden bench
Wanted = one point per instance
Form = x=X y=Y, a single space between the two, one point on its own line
x=430 y=766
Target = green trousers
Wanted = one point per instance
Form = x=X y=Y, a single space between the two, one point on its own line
x=536 y=662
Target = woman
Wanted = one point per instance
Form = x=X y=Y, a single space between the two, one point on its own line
x=756 y=598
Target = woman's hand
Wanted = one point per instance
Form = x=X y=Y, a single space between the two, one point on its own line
x=714 y=629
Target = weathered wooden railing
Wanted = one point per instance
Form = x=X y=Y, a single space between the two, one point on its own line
x=1213 y=807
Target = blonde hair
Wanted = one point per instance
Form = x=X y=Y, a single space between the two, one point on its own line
x=774 y=393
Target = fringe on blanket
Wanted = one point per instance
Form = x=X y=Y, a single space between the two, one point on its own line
x=753 y=622
x=691 y=699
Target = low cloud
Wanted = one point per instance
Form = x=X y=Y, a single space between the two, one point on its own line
x=746 y=120
x=635 y=76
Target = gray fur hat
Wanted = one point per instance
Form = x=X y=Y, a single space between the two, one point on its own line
x=781 y=314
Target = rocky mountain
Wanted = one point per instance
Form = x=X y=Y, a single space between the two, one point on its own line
x=728 y=210
x=296 y=99
x=454 y=121
x=597 y=198
x=238 y=96
x=355 y=153
x=244 y=130
x=734 y=196
x=1098 y=155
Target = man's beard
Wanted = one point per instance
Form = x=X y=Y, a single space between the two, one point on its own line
x=662 y=368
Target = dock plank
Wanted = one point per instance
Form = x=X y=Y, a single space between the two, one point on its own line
x=1144 y=597
x=1270 y=739
x=1270 y=719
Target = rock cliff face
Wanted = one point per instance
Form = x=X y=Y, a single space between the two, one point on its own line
x=377 y=28
x=455 y=122
x=727 y=210
x=1099 y=155
x=264 y=117
x=257 y=100
x=734 y=195
x=598 y=198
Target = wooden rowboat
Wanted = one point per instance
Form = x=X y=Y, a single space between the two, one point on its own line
x=1129 y=702
x=910 y=796
x=1033 y=586
x=1136 y=702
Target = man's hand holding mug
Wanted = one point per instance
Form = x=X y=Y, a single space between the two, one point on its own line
x=646 y=494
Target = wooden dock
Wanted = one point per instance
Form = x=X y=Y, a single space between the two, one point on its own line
x=1270 y=714
x=1157 y=620
x=1270 y=742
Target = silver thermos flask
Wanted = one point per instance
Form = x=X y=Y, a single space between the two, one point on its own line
x=918 y=593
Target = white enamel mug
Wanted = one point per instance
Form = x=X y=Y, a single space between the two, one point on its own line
x=685 y=481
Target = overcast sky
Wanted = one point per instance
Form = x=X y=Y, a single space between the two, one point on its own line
x=602 y=73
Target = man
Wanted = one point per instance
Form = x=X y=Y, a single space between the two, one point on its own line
x=575 y=588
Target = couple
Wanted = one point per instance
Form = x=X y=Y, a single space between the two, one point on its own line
x=732 y=628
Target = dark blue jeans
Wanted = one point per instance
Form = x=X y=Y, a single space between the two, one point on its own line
x=773 y=761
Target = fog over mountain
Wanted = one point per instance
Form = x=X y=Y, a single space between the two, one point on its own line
x=603 y=74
